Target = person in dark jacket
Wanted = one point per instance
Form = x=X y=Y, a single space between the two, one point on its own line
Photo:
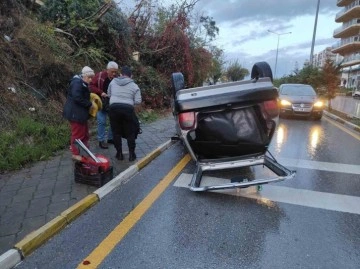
x=124 y=94
x=99 y=85
x=76 y=109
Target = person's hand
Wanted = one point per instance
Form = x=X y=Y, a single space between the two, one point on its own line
x=103 y=94
x=93 y=109
x=137 y=108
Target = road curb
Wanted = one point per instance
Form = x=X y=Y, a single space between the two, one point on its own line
x=9 y=259
x=38 y=237
x=340 y=120
x=77 y=209
x=132 y=170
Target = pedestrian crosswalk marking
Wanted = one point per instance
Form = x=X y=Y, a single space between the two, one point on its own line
x=324 y=166
x=308 y=198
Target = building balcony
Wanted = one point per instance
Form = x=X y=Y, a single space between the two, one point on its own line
x=342 y=3
x=349 y=12
x=351 y=60
x=348 y=29
x=347 y=46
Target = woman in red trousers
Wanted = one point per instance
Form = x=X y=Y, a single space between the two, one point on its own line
x=76 y=109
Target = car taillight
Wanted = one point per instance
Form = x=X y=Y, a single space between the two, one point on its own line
x=187 y=120
x=272 y=108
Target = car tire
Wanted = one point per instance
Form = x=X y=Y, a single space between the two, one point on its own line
x=178 y=82
x=261 y=70
x=317 y=118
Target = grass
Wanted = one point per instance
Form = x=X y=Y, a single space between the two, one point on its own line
x=30 y=141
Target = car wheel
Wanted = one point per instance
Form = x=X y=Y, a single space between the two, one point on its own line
x=318 y=117
x=178 y=82
x=261 y=70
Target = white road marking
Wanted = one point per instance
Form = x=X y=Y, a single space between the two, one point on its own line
x=324 y=166
x=315 y=199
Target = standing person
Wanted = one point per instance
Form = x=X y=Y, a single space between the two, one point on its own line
x=124 y=95
x=76 y=109
x=99 y=85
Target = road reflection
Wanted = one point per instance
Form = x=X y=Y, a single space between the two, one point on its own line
x=314 y=139
x=280 y=137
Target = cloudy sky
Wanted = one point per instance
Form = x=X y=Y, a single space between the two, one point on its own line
x=244 y=26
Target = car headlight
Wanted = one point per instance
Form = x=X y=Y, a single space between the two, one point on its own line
x=285 y=103
x=319 y=104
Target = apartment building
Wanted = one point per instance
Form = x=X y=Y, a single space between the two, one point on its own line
x=349 y=44
x=320 y=58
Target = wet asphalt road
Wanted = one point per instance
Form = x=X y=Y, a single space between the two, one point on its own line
x=183 y=229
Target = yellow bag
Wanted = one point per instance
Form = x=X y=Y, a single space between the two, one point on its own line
x=97 y=104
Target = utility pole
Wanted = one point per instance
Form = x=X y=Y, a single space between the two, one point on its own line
x=314 y=34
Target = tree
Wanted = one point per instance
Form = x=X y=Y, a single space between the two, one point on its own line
x=210 y=26
x=202 y=65
x=236 y=72
x=217 y=63
x=330 y=79
x=310 y=75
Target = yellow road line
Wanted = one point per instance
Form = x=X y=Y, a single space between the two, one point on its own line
x=353 y=134
x=107 y=245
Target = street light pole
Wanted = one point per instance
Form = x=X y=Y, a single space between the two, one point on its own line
x=314 y=35
x=277 y=47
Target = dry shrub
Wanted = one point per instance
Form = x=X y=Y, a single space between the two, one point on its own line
x=37 y=64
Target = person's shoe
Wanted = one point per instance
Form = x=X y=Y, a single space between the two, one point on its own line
x=132 y=156
x=119 y=156
x=103 y=145
x=110 y=141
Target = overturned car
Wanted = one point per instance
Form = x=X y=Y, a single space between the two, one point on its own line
x=229 y=126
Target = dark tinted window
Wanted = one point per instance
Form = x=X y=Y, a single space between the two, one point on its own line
x=297 y=90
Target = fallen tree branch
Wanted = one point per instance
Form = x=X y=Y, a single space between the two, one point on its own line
x=66 y=33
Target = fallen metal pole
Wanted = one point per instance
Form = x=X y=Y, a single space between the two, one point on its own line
x=81 y=144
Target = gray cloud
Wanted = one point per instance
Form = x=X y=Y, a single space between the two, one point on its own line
x=259 y=16
x=289 y=57
x=241 y=11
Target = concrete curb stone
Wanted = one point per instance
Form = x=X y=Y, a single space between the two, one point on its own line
x=338 y=119
x=9 y=259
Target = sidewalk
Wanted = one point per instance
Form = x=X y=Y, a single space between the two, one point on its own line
x=31 y=197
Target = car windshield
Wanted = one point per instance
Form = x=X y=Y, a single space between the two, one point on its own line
x=298 y=90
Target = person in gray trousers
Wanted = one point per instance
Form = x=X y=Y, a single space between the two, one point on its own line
x=124 y=95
